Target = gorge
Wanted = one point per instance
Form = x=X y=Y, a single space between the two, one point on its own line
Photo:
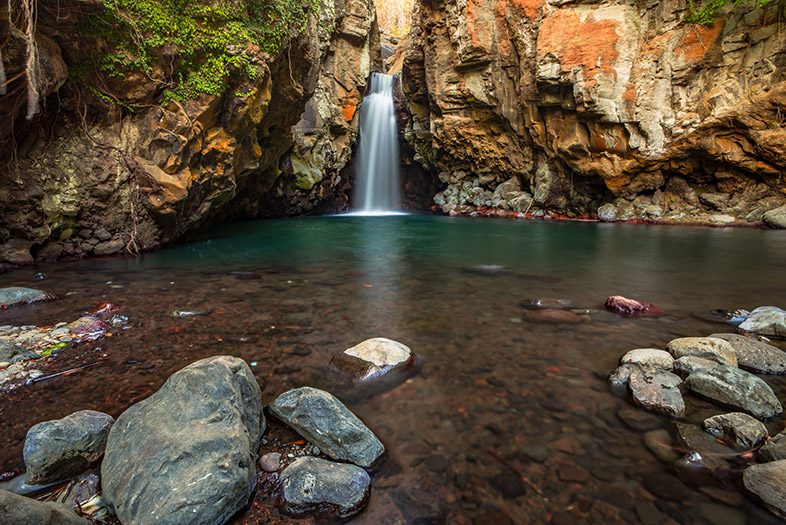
x=430 y=261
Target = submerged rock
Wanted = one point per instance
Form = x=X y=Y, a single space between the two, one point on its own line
x=649 y=358
x=60 y=449
x=17 y=295
x=736 y=388
x=766 y=320
x=767 y=482
x=187 y=453
x=657 y=391
x=88 y=328
x=741 y=431
x=310 y=484
x=705 y=347
x=374 y=358
x=325 y=422
x=555 y=316
x=491 y=270
x=19 y=510
x=756 y=355
x=548 y=304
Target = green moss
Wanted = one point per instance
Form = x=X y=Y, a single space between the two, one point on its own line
x=202 y=41
x=707 y=12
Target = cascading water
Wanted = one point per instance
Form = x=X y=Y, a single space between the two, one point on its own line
x=377 y=189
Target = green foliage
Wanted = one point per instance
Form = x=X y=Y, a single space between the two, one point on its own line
x=198 y=43
x=708 y=12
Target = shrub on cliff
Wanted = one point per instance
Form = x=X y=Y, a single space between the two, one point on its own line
x=707 y=12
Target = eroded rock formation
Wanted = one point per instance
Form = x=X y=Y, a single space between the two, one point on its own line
x=90 y=177
x=563 y=106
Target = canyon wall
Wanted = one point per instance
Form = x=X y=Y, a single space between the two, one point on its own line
x=617 y=108
x=89 y=176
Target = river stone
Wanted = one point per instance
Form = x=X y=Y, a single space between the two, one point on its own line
x=9 y=350
x=774 y=449
x=766 y=320
x=374 y=358
x=767 y=482
x=16 y=295
x=621 y=375
x=325 y=422
x=756 y=355
x=607 y=212
x=776 y=218
x=706 y=347
x=657 y=391
x=63 y=448
x=735 y=388
x=187 y=453
x=740 y=430
x=19 y=510
x=312 y=484
x=649 y=358
x=688 y=364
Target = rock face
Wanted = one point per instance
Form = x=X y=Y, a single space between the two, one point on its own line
x=766 y=320
x=739 y=430
x=310 y=483
x=26 y=511
x=60 y=449
x=325 y=422
x=768 y=483
x=16 y=295
x=735 y=388
x=107 y=180
x=756 y=355
x=187 y=453
x=710 y=348
x=588 y=103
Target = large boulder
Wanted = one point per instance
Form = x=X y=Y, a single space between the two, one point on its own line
x=766 y=320
x=767 y=482
x=649 y=358
x=63 y=448
x=310 y=484
x=19 y=510
x=16 y=295
x=735 y=388
x=706 y=347
x=325 y=422
x=687 y=364
x=741 y=431
x=187 y=453
x=776 y=218
x=657 y=390
x=374 y=359
x=756 y=355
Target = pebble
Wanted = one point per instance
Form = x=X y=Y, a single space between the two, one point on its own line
x=270 y=462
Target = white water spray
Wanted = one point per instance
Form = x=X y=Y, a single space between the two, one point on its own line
x=377 y=189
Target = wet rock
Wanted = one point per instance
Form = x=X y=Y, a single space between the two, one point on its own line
x=310 y=483
x=20 y=510
x=84 y=496
x=374 y=358
x=735 y=388
x=776 y=218
x=693 y=438
x=270 y=462
x=651 y=358
x=686 y=365
x=766 y=320
x=60 y=449
x=9 y=350
x=187 y=453
x=607 y=212
x=106 y=308
x=756 y=355
x=508 y=483
x=698 y=468
x=659 y=442
x=666 y=486
x=739 y=430
x=657 y=391
x=619 y=378
x=325 y=422
x=554 y=316
x=767 y=482
x=774 y=449
x=88 y=328
x=706 y=347
x=624 y=306
x=548 y=304
x=638 y=419
x=40 y=276
x=570 y=472
x=17 y=295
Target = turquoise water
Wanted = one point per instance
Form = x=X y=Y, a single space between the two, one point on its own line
x=509 y=419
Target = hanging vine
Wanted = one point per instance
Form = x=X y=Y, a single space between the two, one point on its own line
x=22 y=24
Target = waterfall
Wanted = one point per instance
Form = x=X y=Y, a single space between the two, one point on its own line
x=377 y=189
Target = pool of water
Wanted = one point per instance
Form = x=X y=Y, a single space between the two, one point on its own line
x=509 y=419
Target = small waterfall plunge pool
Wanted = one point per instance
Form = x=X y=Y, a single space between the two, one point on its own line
x=510 y=418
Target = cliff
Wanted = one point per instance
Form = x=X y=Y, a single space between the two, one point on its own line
x=138 y=135
x=568 y=107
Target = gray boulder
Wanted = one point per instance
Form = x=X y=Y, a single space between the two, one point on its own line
x=735 y=388
x=310 y=484
x=705 y=347
x=766 y=320
x=658 y=391
x=187 y=453
x=607 y=212
x=776 y=218
x=325 y=422
x=767 y=482
x=651 y=358
x=620 y=377
x=16 y=295
x=741 y=431
x=63 y=448
x=774 y=449
x=19 y=510
x=756 y=355
x=686 y=365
